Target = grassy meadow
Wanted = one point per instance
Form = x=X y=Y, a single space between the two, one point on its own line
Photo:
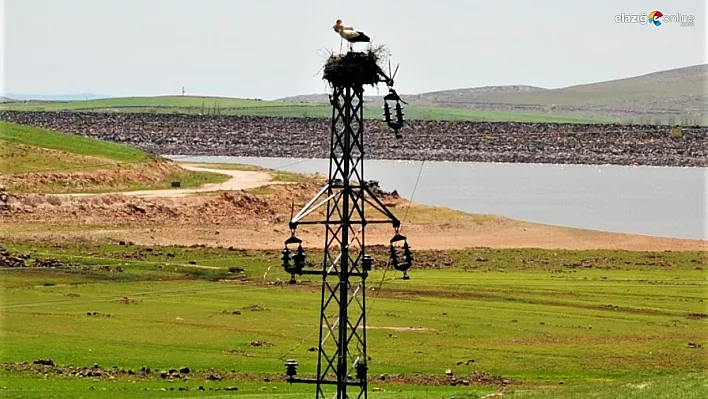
x=595 y=324
x=235 y=106
x=553 y=323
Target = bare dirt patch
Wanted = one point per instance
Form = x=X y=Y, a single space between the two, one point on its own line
x=125 y=211
x=241 y=219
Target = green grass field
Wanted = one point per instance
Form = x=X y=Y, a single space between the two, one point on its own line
x=69 y=143
x=577 y=324
x=235 y=106
x=26 y=149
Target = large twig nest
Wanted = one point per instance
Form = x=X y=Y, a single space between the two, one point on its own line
x=355 y=69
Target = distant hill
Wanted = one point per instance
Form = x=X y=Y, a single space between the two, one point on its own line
x=6 y=100
x=56 y=97
x=676 y=93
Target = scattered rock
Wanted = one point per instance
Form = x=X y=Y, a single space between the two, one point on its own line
x=136 y=208
x=697 y=316
x=44 y=362
x=255 y=308
x=125 y=300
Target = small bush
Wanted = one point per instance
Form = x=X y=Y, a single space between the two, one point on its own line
x=675 y=133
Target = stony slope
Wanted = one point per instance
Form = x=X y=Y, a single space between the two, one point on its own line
x=430 y=140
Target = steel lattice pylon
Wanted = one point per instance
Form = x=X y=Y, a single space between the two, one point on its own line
x=342 y=359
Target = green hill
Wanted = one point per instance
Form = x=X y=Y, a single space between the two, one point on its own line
x=677 y=92
x=670 y=96
x=44 y=161
x=67 y=146
x=674 y=96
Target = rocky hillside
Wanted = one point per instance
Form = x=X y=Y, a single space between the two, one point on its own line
x=569 y=143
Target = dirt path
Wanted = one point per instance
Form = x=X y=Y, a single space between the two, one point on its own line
x=240 y=180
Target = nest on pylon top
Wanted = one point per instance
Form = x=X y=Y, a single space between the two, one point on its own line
x=355 y=69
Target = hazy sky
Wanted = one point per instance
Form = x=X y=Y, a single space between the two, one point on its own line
x=275 y=48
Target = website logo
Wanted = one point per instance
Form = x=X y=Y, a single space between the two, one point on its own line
x=655 y=17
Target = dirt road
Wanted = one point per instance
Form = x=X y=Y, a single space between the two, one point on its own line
x=240 y=180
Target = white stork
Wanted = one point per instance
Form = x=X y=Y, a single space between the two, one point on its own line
x=349 y=34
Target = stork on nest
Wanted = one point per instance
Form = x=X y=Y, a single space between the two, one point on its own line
x=348 y=33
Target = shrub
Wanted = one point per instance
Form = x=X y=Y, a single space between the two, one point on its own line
x=675 y=133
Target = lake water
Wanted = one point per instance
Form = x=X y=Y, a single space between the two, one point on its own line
x=656 y=201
